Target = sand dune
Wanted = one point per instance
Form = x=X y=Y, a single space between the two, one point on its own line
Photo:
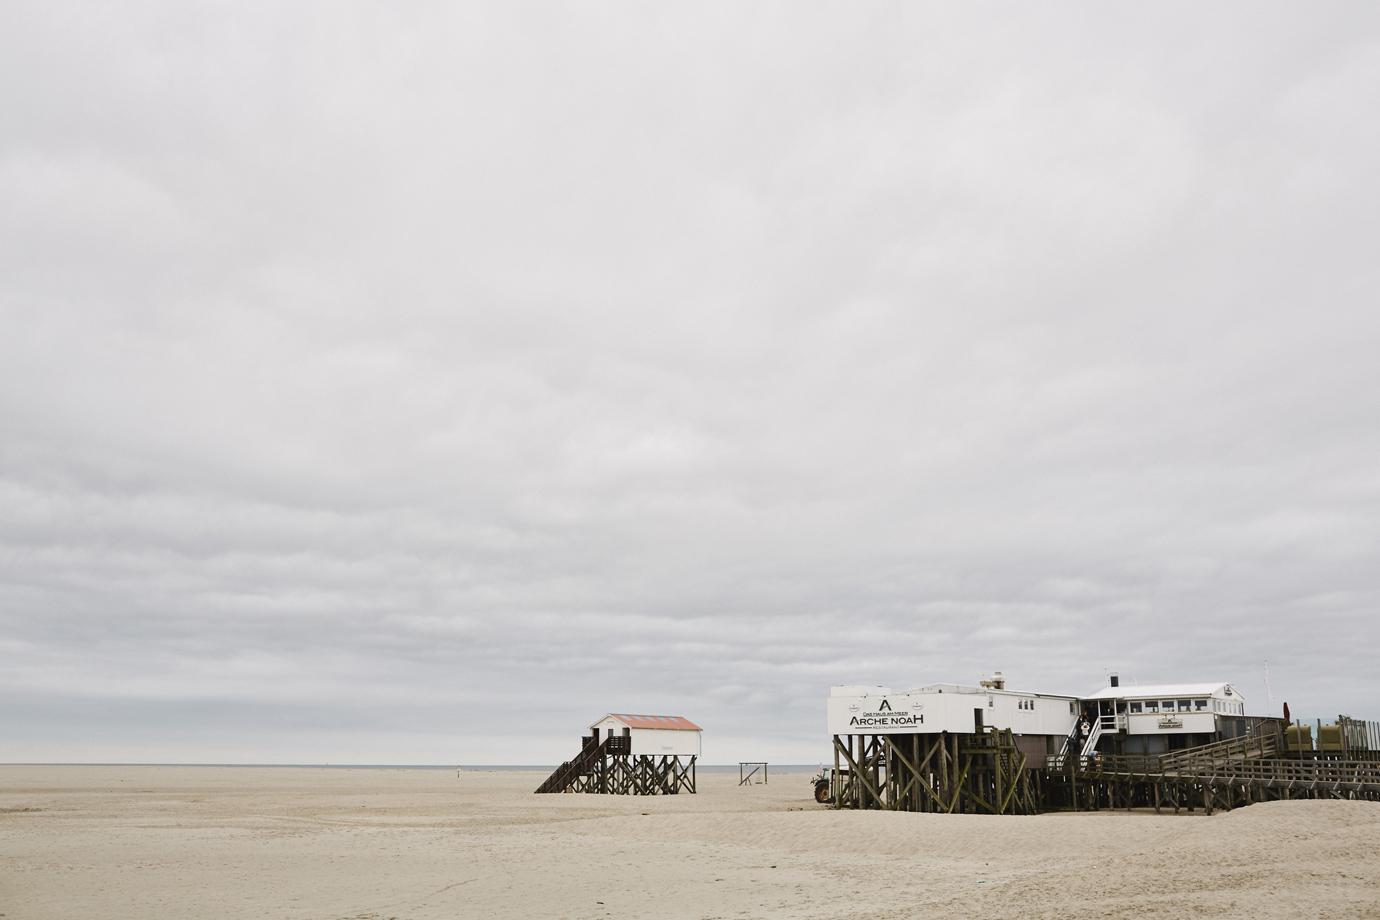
x=185 y=842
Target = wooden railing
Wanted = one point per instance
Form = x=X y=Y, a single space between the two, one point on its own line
x=1253 y=746
x=1331 y=775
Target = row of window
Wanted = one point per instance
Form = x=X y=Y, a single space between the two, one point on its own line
x=1168 y=706
x=1156 y=706
x=1221 y=706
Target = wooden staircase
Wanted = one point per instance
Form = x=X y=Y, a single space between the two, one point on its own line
x=1254 y=747
x=591 y=757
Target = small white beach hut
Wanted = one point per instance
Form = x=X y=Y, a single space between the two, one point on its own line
x=626 y=754
x=656 y=736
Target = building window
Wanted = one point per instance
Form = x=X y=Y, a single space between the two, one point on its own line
x=1152 y=705
x=1167 y=706
x=1135 y=707
x=1185 y=705
x=1200 y=705
x=1073 y=708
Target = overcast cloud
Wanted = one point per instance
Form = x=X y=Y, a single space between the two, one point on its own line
x=387 y=383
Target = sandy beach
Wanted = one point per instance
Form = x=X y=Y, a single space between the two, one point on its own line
x=331 y=844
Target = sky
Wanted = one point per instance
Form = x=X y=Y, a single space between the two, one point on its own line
x=417 y=383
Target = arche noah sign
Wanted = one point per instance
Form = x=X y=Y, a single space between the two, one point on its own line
x=884 y=716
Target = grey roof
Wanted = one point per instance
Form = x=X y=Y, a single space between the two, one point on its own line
x=1165 y=691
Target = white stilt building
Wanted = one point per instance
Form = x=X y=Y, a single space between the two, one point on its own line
x=626 y=754
x=987 y=748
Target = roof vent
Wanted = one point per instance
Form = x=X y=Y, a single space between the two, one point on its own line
x=1116 y=680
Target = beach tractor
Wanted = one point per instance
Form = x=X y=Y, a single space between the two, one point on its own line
x=822 y=783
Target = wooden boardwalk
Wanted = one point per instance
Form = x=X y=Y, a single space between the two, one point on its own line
x=1212 y=779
